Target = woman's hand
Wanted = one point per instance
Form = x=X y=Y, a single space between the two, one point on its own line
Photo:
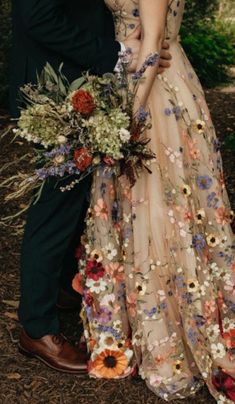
x=153 y=15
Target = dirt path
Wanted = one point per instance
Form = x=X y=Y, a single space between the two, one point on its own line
x=27 y=381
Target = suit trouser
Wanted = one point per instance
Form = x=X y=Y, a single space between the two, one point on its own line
x=53 y=229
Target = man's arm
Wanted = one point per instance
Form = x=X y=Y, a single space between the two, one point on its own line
x=47 y=24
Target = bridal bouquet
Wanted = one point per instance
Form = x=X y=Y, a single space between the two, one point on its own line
x=80 y=126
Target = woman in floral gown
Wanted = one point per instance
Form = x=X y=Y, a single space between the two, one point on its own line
x=157 y=266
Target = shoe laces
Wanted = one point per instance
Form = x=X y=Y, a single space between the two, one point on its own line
x=58 y=339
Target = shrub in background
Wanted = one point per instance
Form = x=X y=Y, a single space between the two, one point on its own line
x=208 y=42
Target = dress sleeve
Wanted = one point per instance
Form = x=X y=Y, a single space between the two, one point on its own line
x=46 y=23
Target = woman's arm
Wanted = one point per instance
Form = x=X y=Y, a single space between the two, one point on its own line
x=153 y=21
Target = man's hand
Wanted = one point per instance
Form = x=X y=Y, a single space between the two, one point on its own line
x=133 y=42
x=165 y=57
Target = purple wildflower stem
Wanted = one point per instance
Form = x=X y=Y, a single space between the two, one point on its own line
x=150 y=61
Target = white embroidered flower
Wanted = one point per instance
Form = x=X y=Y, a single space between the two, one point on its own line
x=108 y=341
x=162 y=295
x=110 y=252
x=228 y=324
x=213 y=332
x=171 y=216
x=137 y=338
x=108 y=300
x=155 y=380
x=117 y=324
x=230 y=286
x=218 y=350
x=96 y=286
x=129 y=354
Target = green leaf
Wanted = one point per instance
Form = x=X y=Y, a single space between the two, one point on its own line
x=76 y=84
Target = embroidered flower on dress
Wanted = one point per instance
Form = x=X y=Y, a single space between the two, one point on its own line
x=199 y=126
x=198 y=242
x=94 y=270
x=186 y=190
x=101 y=209
x=109 y=364
x=212 y=240
x=96 y=286
x=204 y=182
x=110 y=252
x=218 y=351
x=200 y=216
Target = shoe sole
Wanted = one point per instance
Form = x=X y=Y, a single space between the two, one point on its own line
x=35 y=356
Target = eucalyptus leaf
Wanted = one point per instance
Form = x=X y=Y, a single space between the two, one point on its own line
x=76 y=84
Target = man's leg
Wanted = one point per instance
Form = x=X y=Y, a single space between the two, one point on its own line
x=51 y=227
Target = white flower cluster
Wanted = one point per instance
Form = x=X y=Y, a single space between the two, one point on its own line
x=43 y=124
x=108 y=133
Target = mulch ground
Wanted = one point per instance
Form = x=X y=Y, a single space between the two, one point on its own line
x=28 y=381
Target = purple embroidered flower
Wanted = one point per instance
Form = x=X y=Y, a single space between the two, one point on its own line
x=104 y=315
x=193 y=336
x=150 y=313
x=168 y=111
x=198 y=242
x=177 y=112
x=204 y=182
x=187 y=297
x=135 y=12
x=199 y=320
x=131 y=26
x=212 y=201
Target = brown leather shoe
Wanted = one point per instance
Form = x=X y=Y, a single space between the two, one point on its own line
x=68 y=302
x=55 y=352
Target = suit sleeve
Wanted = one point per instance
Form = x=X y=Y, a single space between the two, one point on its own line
x=47 y=24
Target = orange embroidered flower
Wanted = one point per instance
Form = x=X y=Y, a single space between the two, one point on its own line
x=131 y=303
x=230 y=338
x=83 y=102
x=223 y=215
x=77 y=283
x=116 y=271
x=110 y=364
x=82 y=158
x=101 y=209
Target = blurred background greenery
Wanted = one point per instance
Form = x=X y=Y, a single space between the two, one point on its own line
x=207 y=35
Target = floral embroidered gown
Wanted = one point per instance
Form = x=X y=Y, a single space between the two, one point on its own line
x=158 y=268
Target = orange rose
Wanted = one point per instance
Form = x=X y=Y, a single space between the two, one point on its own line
x=83 y=102
x=82 y=158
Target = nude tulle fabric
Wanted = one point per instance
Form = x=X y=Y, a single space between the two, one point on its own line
x=169 y=237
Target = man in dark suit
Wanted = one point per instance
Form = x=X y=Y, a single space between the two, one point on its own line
x=79 y=33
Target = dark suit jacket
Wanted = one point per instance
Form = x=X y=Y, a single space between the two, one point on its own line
x=79 y=33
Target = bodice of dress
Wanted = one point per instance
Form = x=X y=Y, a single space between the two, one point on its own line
x=126 y=16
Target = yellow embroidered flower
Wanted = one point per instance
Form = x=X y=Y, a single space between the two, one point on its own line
x=141 y=288
x=177 y=367
x=192 y=285
x=199 y=126
x=200 y=216
x=212 y=240
x=186 y=190
x=97 y=255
